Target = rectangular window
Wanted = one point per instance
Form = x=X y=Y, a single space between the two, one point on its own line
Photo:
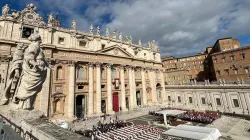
x=203 y=101
x=179 y=99
x=26 y=32
x=190 y=100
x=61 y=40
x=223 y=60
x=215 y=61
x=247 y=70
x=218 y=101
x=232 y=57
x=218 y=73
x=236 y=103
x=194 y=67
x=169 y=98
x=243 y=56
x=82 y=43
x=235 y=71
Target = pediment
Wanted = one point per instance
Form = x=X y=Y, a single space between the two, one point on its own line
x=115 y=50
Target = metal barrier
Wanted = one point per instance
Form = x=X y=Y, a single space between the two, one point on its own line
x=7 y=133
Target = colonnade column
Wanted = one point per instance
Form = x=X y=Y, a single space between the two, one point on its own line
x=123 y=96
x=243 y=102
x=109 y=90
x=225 y=104
x=71 y=93
x=144 y=91
x=247 y=99
x=229 y=102
x=163 y=94
x=91 y=91
x=98 y=89
x=131 y=90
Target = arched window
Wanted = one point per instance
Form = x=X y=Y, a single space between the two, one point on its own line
x=80 y=74
x=59 y=72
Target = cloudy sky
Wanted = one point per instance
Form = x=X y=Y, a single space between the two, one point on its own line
x=180 y=27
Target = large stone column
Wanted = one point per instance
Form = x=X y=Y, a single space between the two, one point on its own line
x=71 y=93
x=144 y=91
x=91 y=91
x=98 y=89
x=123 y=94
x=212 y=101
x=153 y=86
x=131 y=89
x=163 y=91
x=109 y=90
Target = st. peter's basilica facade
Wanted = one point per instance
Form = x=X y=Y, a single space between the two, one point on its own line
x=90 y=74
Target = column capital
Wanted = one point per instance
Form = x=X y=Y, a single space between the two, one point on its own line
x=98 y=64
x=90 y=64
x=108 y=65
x=71 y=63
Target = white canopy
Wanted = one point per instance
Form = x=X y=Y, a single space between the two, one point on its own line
x=193 y=132
x=171 y=112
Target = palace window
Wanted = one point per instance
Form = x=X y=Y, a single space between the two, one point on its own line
x=235 y=71
x=59 y=72
x=218 y=73
x=218 y=101
x=215 y=61
x=201 y=66
x=247 y=70
x=27 y=31
x=223 y=59
x=190 y=100
x=169 y=98
x=82 y=43
x=227 y=71
x=61 y=40
x=179 y=99
x=194 y=67
x=243 y=56
x=232 y=57
x=203 y=100
x=236 y=103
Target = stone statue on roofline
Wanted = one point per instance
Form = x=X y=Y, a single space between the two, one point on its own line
x=5 y=10
x=73 y=25
x=114 y=33
x=50 y=19
x=98 y=30
x=91 y=28
x=107 y=32
x=139 y=42
x=27 y=74
x=120 y=36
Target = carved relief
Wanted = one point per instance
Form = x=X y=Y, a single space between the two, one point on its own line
x=30 y=16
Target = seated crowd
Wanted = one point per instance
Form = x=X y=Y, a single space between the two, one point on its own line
x=120 y=130
x=189 y=115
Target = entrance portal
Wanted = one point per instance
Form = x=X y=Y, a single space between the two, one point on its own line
x=80 y=106
x=138 y=98
x=115 y=102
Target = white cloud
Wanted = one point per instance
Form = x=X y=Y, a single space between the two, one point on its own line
x=180 y=27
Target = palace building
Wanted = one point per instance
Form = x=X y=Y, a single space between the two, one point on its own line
x=89 y=73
